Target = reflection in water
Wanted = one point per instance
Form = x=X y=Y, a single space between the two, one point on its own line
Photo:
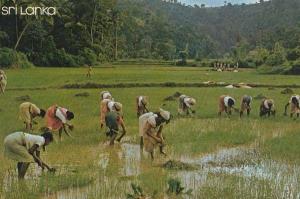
x=245 y=163
x=131 y=156
x=127 y=159
x=103 y=160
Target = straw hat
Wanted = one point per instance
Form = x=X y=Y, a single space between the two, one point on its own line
x=118 y=106
x=192 y=101
x=144 y=101
x=165 y=114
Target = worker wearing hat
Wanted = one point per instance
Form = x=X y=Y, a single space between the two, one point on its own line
x=151 y=129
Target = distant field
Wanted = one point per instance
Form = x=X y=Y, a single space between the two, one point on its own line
x=113 y=74
x=87 y=167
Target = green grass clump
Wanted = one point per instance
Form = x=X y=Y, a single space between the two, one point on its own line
x=51 y=183
x=231 y=186
x=284 y=148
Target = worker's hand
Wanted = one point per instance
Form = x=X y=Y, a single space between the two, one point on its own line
x=159 y=140
x=71 y=127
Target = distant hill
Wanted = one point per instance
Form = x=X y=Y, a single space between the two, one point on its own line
x=88 y=32
x=219 y=29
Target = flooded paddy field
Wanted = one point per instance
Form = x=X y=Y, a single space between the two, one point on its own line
x=213 y=157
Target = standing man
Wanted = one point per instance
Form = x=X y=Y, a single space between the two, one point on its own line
x=3 y=81
x=295 y=107
x=246 y=105
x=89 y=71
x=56 y=119
x=28 y=111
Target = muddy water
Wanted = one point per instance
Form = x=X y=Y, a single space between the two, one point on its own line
x=131 y=157
x=129 y=163
x=245 y=163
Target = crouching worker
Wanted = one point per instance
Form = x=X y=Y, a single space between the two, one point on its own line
x=28 y=111
x=226 y=103
x=152 y=131
x=141 y=105
x=56 y=119
x=107 y=106
x=267 y=107
x=295 y=107
x=113 y=121
x=3 y=81
x=25 y=149
x=246 y=105
x=185 y=105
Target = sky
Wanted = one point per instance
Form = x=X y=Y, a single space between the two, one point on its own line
x=214 y=3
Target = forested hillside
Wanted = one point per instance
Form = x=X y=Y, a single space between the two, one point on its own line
x=91 y=31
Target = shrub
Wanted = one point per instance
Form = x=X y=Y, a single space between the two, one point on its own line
x=293 y=54
x=282 y=69
x=207 y=63
x=295 y=69
x=10 y=58
x=89 y=57
x=61 y=58
x=258 y=56
x=274 y=60
x=277 y=57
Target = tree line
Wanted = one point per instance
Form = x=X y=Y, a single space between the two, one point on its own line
x=95 y=31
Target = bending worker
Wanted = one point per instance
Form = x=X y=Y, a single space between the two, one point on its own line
x=28 y=111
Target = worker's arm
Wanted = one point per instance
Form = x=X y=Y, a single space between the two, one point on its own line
x=148 y=132
x=65 y=130
x=146 y=109
x=159 y=133
x=36 y=156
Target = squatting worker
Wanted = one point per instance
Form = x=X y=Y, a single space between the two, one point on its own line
x=246 y=105
x=141 y=105
x=226 y=103
x=56 y=119
x=267 y=107
x=113 y=121
x=185 y=104
x=152 y=128
x=27 y=112
x=107 y=106
x=295 y=107
x=25 y=149
x=3 y=81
